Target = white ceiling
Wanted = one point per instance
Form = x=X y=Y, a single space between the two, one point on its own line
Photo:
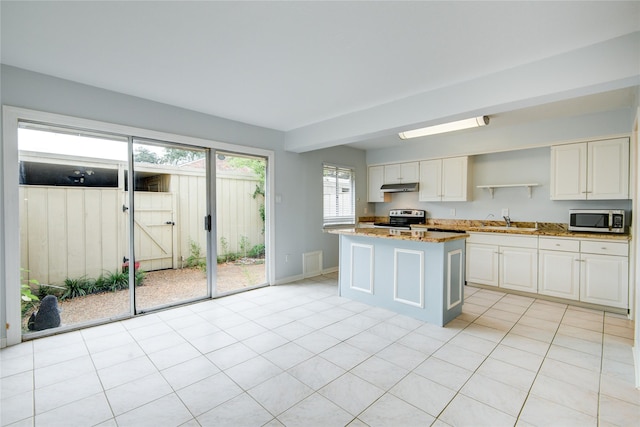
x=288 y=65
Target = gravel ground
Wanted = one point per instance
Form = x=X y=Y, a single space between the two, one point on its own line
x=159 y=288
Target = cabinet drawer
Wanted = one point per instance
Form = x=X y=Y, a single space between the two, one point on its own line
x=501 y=239
x=604 y=247
x=566 y=245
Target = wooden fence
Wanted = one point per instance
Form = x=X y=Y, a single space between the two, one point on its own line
x=71 y=232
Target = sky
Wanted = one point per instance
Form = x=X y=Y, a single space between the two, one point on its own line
x=75 y=145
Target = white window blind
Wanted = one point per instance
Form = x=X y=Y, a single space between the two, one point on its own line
x=339 y=201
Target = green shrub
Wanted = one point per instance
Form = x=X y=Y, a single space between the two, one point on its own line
x=26 y=294
x=27 y=297
x=109 y=282
x=99 y=285
x=195 y=258
x=93 y=285
x=224 y=245
x=74 y=288
x=45 y=290
x=115 y=281
x=140 y=275
x=244 y=244
x=257 y=251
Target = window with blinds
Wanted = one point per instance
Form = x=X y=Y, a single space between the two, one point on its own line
x=339 y=201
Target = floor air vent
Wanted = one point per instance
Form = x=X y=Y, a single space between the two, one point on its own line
x=312 y=264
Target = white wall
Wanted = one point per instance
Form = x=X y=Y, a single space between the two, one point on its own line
x=312 y=207
x=510 y=167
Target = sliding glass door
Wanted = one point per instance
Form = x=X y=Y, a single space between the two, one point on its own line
x=81 y=212
x=72 y=226
x=171 y=199
x=240 y=222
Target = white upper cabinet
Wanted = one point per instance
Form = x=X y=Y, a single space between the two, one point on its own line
x=608 y=169
x=376 y=179
x=597 y=170
x=569 y=172
x=444 y=180
x=455 y=179
x=401 y=173
x=430 y=184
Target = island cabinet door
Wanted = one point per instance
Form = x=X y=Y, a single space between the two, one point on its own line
x=482 y=264
x=408 y=277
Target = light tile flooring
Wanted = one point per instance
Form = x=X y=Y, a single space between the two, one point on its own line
x=299 y=355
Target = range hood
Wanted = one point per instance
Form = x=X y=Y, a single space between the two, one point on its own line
x=399 y=188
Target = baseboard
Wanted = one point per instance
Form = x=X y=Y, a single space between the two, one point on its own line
x=299 y=277
x=575 y=303
x=290 y=279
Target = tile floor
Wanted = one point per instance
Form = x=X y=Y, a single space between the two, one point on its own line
x=299 y=355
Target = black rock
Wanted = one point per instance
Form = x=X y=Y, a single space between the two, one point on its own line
x=47 y=316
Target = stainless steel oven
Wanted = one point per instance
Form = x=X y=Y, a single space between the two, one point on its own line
x=597 y=220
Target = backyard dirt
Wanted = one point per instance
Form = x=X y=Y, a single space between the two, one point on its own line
x=159 y=288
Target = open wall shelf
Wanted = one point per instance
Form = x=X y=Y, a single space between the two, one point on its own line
x=492 y=187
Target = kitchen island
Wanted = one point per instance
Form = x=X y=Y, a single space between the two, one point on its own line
x=414 y=273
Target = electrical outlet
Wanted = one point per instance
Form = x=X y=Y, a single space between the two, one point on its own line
x=452 y=212
x=366 y=209
x=286 y=258
x=505 y=212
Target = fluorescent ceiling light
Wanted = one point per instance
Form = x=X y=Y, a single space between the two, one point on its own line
x=446 y=127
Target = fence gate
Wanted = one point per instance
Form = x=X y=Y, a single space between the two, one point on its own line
x=155 y=231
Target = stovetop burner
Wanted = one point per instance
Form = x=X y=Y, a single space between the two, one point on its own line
x=403 y=219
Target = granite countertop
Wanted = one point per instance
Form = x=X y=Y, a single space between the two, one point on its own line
x=522 y=228
x=411 y=235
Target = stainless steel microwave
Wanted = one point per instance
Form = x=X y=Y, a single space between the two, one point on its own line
x=597 y=220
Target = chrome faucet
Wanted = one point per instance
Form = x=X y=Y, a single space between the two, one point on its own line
x=507 y=220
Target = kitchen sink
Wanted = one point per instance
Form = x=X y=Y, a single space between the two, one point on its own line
x=504 y=227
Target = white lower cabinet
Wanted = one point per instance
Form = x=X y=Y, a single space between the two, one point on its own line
x=559 y=267
x=559 y=274
x=592 y=271
x=519 y=268
x=509 y=262
x=482 y=264
x=605 y=280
